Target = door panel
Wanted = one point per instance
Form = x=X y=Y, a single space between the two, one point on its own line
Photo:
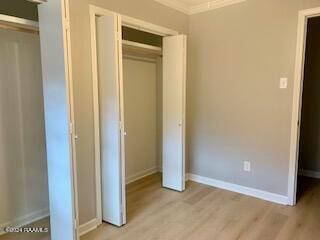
x=174 y=85
x=60 y=158
x=111 y=139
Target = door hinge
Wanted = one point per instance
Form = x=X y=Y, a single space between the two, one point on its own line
x=72 y=131
x=119 y=36
x=67 y=24
x=71 y=128
x=75 y=224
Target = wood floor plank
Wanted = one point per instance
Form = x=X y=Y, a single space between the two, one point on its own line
x=206 y=213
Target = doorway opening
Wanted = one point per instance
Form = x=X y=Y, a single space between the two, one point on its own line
x=309 y=153
x=142 y=83
x=304 y=74
x=139 y=90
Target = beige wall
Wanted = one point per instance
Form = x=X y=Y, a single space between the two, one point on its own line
x=80 y=36
x=19 y=8
x=235 y=109
x=140 y=109
x=309 y=157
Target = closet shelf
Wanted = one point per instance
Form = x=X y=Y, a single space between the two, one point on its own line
x=134 y=46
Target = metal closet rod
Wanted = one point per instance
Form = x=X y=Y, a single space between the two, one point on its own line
x=138 y=58
x=145 y=47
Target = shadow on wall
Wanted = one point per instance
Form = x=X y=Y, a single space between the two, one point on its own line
x=19 y=8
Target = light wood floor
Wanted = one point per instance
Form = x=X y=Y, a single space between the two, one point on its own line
x=206 y=213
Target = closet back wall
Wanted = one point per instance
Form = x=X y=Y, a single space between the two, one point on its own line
x=82 y=76
x=140 y=110
x=23 y=163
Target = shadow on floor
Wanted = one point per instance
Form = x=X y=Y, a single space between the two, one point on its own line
x=306 y=185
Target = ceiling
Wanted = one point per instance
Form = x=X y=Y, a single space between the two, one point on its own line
x=197 y=6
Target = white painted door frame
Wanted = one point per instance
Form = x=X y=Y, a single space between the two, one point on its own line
x=94 y=12
x=304 y=15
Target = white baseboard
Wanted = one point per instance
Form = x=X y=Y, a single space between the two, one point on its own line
x=271 y=197
x=141 y=174
x=309 y=173
x=89 y=226
x=26 y=219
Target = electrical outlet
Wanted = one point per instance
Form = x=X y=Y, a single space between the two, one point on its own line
x=247 y=166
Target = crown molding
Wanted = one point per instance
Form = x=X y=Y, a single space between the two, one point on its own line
x=213 y=5
x=175 y=4
x=204 y=7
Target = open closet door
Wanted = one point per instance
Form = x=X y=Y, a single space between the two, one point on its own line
x=174 y=92
x=56 y=83
x=109 y=55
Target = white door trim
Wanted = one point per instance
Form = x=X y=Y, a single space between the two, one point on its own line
x=95 y=11
x=70 y=89
x=122 y=127
x=147 y=27
x=304 y=15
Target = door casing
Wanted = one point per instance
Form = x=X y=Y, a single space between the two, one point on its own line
x=127 y=21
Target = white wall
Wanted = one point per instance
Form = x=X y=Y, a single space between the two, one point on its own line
x=140 y=109
x=23 y=169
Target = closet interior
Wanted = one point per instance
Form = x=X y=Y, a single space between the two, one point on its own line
x=141 y=106
x=23 y=163
x=142 y=87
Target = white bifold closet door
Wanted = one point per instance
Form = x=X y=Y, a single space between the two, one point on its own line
x=109 y=51
x=174 y=93
x=111 y=116
x=56 y=83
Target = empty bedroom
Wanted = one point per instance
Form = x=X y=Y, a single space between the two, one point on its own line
x=159 y=119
